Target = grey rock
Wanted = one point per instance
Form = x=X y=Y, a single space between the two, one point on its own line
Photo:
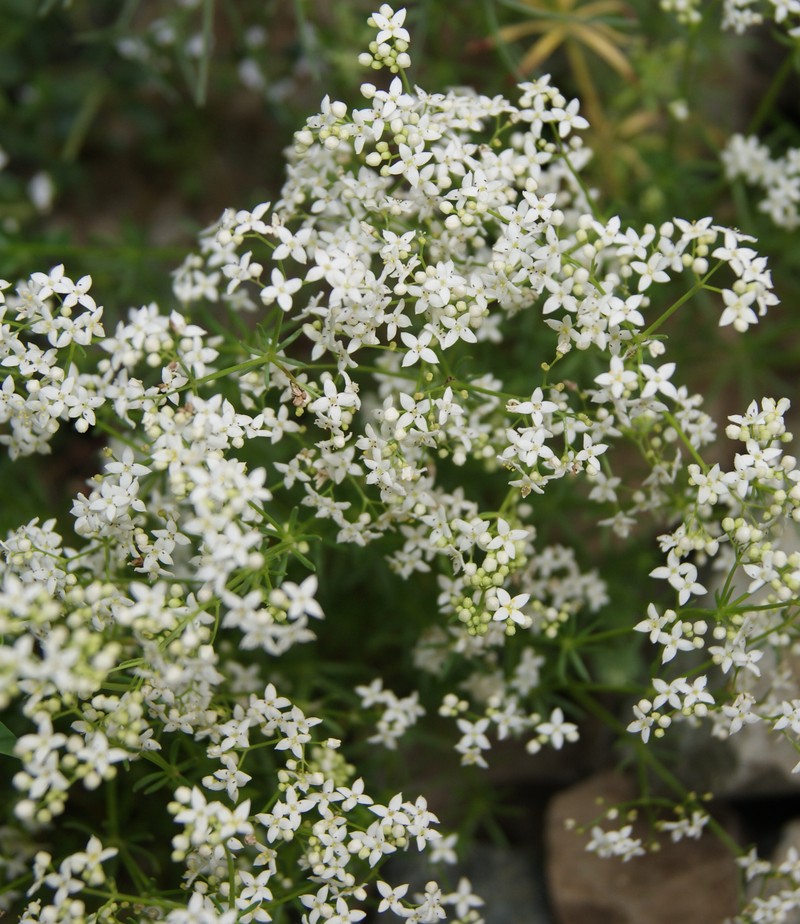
x=691 y=882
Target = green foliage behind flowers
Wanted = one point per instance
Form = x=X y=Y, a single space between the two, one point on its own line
x=396 y=459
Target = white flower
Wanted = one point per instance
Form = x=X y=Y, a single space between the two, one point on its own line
x=615 y=843
x=253 y=895
x=443 y=850
x=681 y=575
x=556 y=731
x=568 y=118
x=643 y=721
x=511 y=607
x=201 y=910
x=673 y=642
x=463 y=899
x=618 y=378
x=589 y=454
x=389 y=23
x=241 y=271
x=418 y=348
x=281 y=290
x=409 y=161
x=473 y=735
x=738 y=309
x=658 y=380
x=297 y=599
x=390 y=897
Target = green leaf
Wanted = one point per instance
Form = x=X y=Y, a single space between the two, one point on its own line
x=303 y=560
x=7 y=741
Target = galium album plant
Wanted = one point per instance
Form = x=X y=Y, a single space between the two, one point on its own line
x=436 y=350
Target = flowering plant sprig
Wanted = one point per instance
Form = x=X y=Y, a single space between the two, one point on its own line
x=437 y=297
x=741 y=15
x=746 y=156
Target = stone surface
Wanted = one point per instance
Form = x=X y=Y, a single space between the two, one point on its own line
x=510 y=882
x=761 y=765
x=789 y=840
x=691 y=882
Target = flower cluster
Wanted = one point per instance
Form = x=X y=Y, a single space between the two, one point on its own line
x=51 y=316
x=772 y=887
x=741 y=15
x=458 y=368
x=747 y=158
x=739 y=521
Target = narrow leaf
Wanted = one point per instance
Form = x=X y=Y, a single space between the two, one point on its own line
x=7 y=741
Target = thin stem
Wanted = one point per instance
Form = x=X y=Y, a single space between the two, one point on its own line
x=673 y=422
x=201 y=90
x=767 y=103
x=502 y=46
x=697 y=287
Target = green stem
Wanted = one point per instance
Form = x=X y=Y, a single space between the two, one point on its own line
x=502 y=46
x=673 y=422
x=133 y=899
x=580 y=181
x=767 y=103
x=15 y=883
x=112 y=813
x=83 y=121
x=697 y=287
x=201 y=89
x=246 y=366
